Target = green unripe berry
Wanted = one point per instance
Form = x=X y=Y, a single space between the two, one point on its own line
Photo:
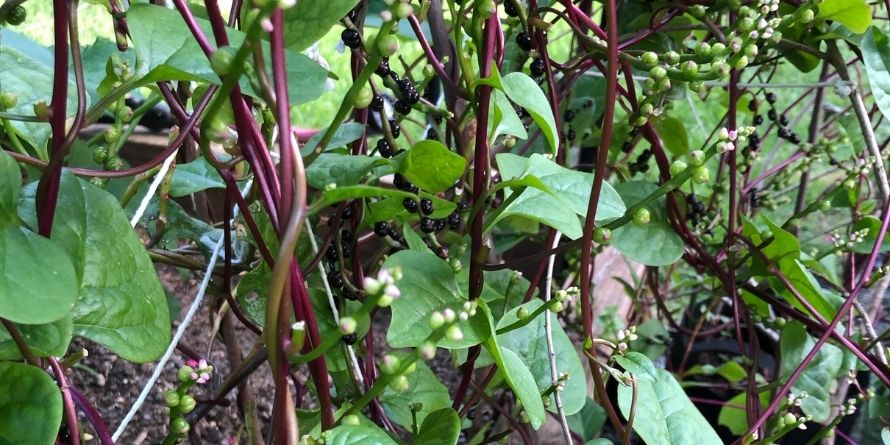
x=825 y=205
x=125 y=114
x=180 y=425
x=436 y=320
x=486 y=9
x=697 y=86
x=171 y=398
x=454 y=333
x=805 y=15
x=389 y=365
x=187 y=403
x=789 y=419
x=557 y=307
x=400 y=383
x=114 y=163
x=849 y=184
x=703 y=49
x=112 y=135
x=751 y=50
x=17 y=16
x=649 y=58
x=8 y=100
x=100 y=154
x=388 y=45
x=347 y=325
x=747 y=24
x=222 y=59
x=672 y=58
x=741 y=63
x=698 y=11
x=658 y=73
x=351 y=419
x=690 y=68
x=642 y=216
x=185 y=373
x=41 y=110
x=602 y=235
x=718 y=49
x=522 y=313
x=404 y=9
x=697 y=157
x=701 y=174
x=678 y=167
x=363 y=97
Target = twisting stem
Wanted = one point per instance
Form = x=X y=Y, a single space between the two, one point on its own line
x=67 y=402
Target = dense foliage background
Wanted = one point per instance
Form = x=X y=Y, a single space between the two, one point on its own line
x=444 y=221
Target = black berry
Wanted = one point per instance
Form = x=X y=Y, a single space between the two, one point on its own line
x=405 y=85
x=752 y=105
x=426 y=206
x=771 y=114
x=346 y=214
x=758 y=119
x=412 y=97
x=381 y=228
x=524 y=41
x=442 y=252
x=427 y=225
x=570 y=135
x=510 y=9
x=410 y=205
x=394 y=76
x=440 y=224
x=383 y=68
x=349 y=339
x=384 y=148
x=346 y=235
x=783 y=120
x=377 y=103
x=537 y=67
x=402 y=107
x=335 y=280
x=394 y=128
x=431 y=134
x=569 y=115
x=771 y=97
x=351 y=38
x=454 y=220
x=393 y=233
x=331 y=253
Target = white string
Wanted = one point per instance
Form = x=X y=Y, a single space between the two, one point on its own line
x=153 y=188
x=551 y=353
x=179 y=331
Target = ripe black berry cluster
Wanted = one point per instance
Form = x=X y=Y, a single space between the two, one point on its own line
x=641 y=165
x=408 y=96
x=695 y=209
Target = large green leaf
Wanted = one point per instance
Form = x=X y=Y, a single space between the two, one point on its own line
x=568 y=197
x=26 y=70
x=120 y=301
x=734 y=416
x=37 y=280
x=588 y=422
x=819 y=375
x=439 y=428
x=169 y=52
x=432 y=167
x=530 y=344
x=516 y=374
x=308 y=21
x=355 y=434
x=504 y=119
x=665 y=415
x=31 y=405
x=428 y=284
x=10 y=186
x=638 y=364
x=340 y=169
x=526 y=93
x=194 y=177
x=854 y=14
x=876 y=55
x=44 y=340
x=425 y=389
x=344 y=134
x=825 y=301
x=673 y=134
x=653 y=244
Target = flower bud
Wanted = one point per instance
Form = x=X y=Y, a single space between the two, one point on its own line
x=347 y=325
x=187 y=403
x=642 y=216
x=678 y=167
x=454 y=333
x=701 y=174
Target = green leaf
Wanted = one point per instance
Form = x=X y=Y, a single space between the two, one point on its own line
x=425 y=389
x=169 y=52
x=392 y=208
x=37 y=280
x=26 y=70
x=733 y=414
x=415 y=242
x=523 y=91
x=504 y=119
x=673 y=134
x=194 y=177
x=854 y=14
x=120 y=304
x=873 y=225
x=343 y=135
x=568 y=196
x=432 y=167
x=588 y=422
x=341 y=169
x=515 y=373
x=10 y=186
x=44 y=340
x=530 y=344
x=826 y=302
x=307 y=22
x=638 y=364
x=665 y=415
x=439 y=428
x=31 y=405
x=819 y=375
x=354 y=434
x=428 y=285
x=653 y=244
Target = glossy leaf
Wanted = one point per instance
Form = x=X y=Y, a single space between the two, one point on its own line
x=10 y=186
x=665 y=415
x=120 y=303
x=31 y=405
x=363 y=434
x=588 y=422
x=673 y=134
x=343 y=135
x=306 y=22
x=441 y=427
x=37 y=280
x=854 y=14
x=432 y=167
x=340 y=169
x=530 y=344
x=44 y=340
x=194 y=177
x=428 y=285
x=876 y=55
x=733 y=415
x=523 y=91
x=169 y=52
x=819 y=375
x=504 y=119
x=425 y=389
x=638 y=364
x=653 y=244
